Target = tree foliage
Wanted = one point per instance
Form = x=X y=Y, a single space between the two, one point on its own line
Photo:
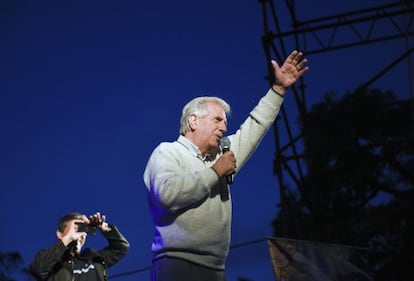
x=11 y=267
x=9 y=262
x=359 y=183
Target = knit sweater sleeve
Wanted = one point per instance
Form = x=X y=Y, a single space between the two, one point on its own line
x=176 y=179
x=249 y=135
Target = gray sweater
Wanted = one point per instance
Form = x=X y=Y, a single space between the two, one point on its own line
x=189 y=204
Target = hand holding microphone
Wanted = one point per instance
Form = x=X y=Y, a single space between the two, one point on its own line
x=226 y=164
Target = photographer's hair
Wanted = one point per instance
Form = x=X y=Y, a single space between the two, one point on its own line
x=198 y=107
x=64 y=221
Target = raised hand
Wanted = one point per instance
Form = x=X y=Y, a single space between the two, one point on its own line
x=99 y=221
x=293 y=68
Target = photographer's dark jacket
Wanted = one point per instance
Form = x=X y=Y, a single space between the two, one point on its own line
x=57 y=264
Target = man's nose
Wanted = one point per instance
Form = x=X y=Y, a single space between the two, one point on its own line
x=223 y=127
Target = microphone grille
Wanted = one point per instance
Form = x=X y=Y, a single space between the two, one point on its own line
x=225 y=142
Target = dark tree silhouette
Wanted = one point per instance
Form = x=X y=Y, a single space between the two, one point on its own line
x=359 y=183
x=11 y=264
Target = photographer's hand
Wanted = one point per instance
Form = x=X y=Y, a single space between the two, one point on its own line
x=99 y=221
x=71 y=236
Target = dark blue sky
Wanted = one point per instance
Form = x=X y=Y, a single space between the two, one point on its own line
x=89 y=88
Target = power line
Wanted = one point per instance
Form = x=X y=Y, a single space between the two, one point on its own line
x=146 y=268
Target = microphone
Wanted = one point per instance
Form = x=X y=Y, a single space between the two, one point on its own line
x=225 y=146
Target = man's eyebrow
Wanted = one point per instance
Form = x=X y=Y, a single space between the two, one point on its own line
x=219 y=118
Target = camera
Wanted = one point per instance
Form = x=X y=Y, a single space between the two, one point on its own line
x=89 y=229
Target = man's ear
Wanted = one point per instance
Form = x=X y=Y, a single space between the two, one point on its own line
x=192 y=120
x=59 y=234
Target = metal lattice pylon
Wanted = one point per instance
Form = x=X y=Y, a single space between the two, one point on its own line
x=316 y=36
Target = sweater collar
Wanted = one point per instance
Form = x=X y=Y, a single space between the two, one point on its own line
x=191 y=147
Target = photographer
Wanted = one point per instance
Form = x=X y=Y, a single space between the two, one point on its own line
x=65 y=260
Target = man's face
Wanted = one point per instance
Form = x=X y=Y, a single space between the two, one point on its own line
x=72 y=231
x=82 y=239
x=211 y=127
